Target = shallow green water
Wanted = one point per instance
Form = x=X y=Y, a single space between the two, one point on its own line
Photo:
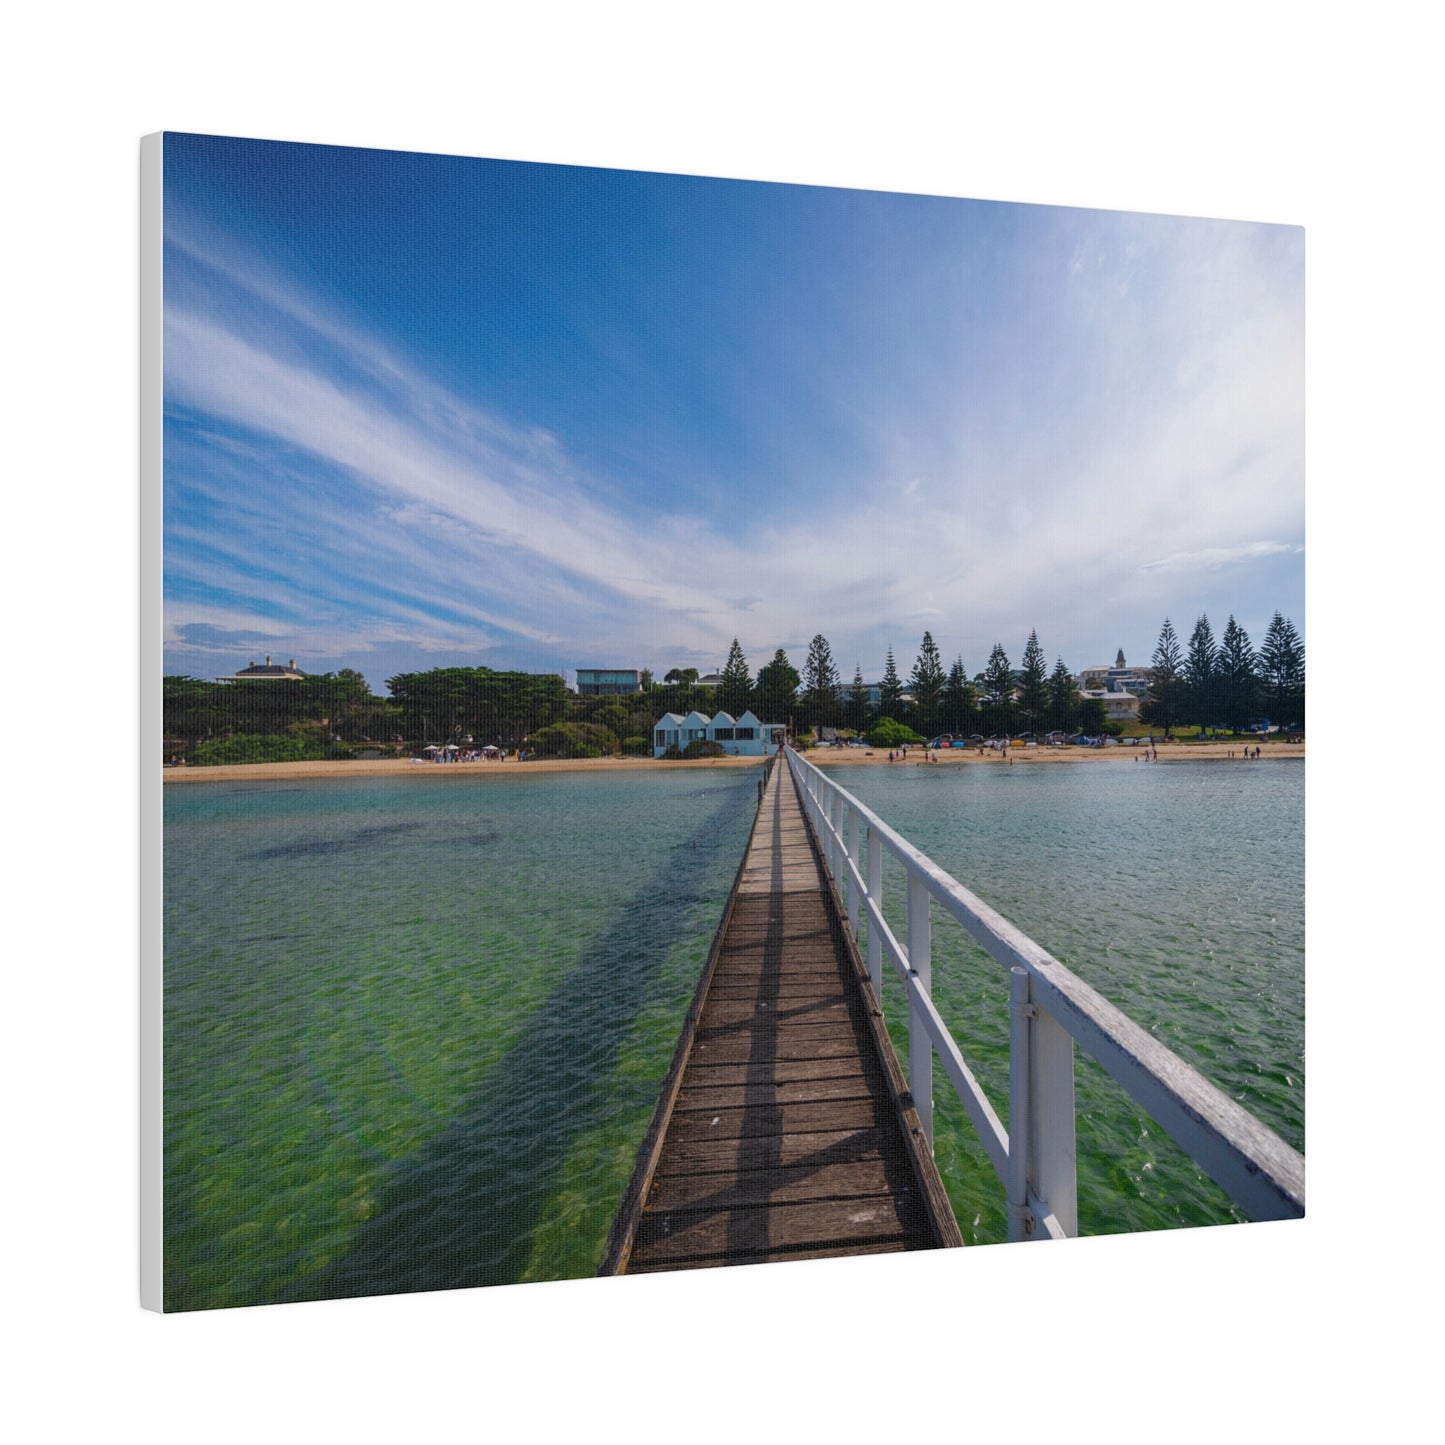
x=415 y=1027
x=1176 y=890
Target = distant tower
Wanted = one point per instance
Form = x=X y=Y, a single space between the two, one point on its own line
x=1119 y=661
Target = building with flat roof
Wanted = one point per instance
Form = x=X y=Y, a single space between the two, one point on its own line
x=608 y=681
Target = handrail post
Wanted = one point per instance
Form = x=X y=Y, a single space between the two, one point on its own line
x=853 y=858
x=920 y=1046
x=875 y=892
x=1042 y=1154
x=1055 y=1160
x=1020 y=1218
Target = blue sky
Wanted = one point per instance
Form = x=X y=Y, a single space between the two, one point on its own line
x=425 y=411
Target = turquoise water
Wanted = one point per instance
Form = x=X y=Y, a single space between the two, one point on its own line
x=1176 y=890
x=415 y=1027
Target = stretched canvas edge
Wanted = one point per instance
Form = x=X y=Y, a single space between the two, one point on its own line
x=151 y=726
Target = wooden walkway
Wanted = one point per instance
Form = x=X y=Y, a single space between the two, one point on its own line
x=784 y=1129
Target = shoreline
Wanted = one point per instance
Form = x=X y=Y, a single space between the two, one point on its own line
x=821 y=757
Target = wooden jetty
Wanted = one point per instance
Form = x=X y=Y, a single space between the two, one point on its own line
x=784 y=1129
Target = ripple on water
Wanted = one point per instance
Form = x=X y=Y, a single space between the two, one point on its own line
x=414 y=1034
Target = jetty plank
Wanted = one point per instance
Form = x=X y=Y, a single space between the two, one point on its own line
x=784 y=1130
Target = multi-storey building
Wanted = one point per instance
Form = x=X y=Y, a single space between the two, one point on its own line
x=608 y=681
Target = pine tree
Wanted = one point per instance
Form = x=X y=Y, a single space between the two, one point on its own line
x=820 y=683
x=1033 y=682
x=998 y=687
x=777 y=689
x=927 y=683
x=858 y=701
x=735 y=691
x=957 y=698
x=1234 y=667
x=998 y=677
x=1199 y=679
x=1063 y=698
x=1167 y=686
x=890 y=691
x=1282 y=671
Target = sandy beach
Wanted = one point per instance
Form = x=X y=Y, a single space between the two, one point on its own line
x=1122 y=756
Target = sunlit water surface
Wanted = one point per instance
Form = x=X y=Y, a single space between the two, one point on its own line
x=415 y=1026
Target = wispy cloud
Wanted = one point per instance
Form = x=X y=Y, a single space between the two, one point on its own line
x=1213 y=558
x=1103 y=439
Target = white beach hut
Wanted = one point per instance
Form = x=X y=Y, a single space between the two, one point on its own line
x=744 y=736
x=674 y=731
x=666 y=733
x=750 y=737
x=695 y=727
x=753 y=738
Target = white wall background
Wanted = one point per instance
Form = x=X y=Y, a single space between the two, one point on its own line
x=1260 y=113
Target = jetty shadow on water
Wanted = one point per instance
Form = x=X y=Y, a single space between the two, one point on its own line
x=462 y=1212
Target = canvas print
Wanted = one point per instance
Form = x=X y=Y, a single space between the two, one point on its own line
x=699 y=722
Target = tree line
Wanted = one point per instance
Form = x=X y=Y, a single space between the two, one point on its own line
x=930 y=700
x=336 y=714
x=1225 y=685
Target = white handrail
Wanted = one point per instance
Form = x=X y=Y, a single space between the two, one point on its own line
x=1051 y=1010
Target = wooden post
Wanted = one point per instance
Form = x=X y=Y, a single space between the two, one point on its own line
x=920 y=1046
